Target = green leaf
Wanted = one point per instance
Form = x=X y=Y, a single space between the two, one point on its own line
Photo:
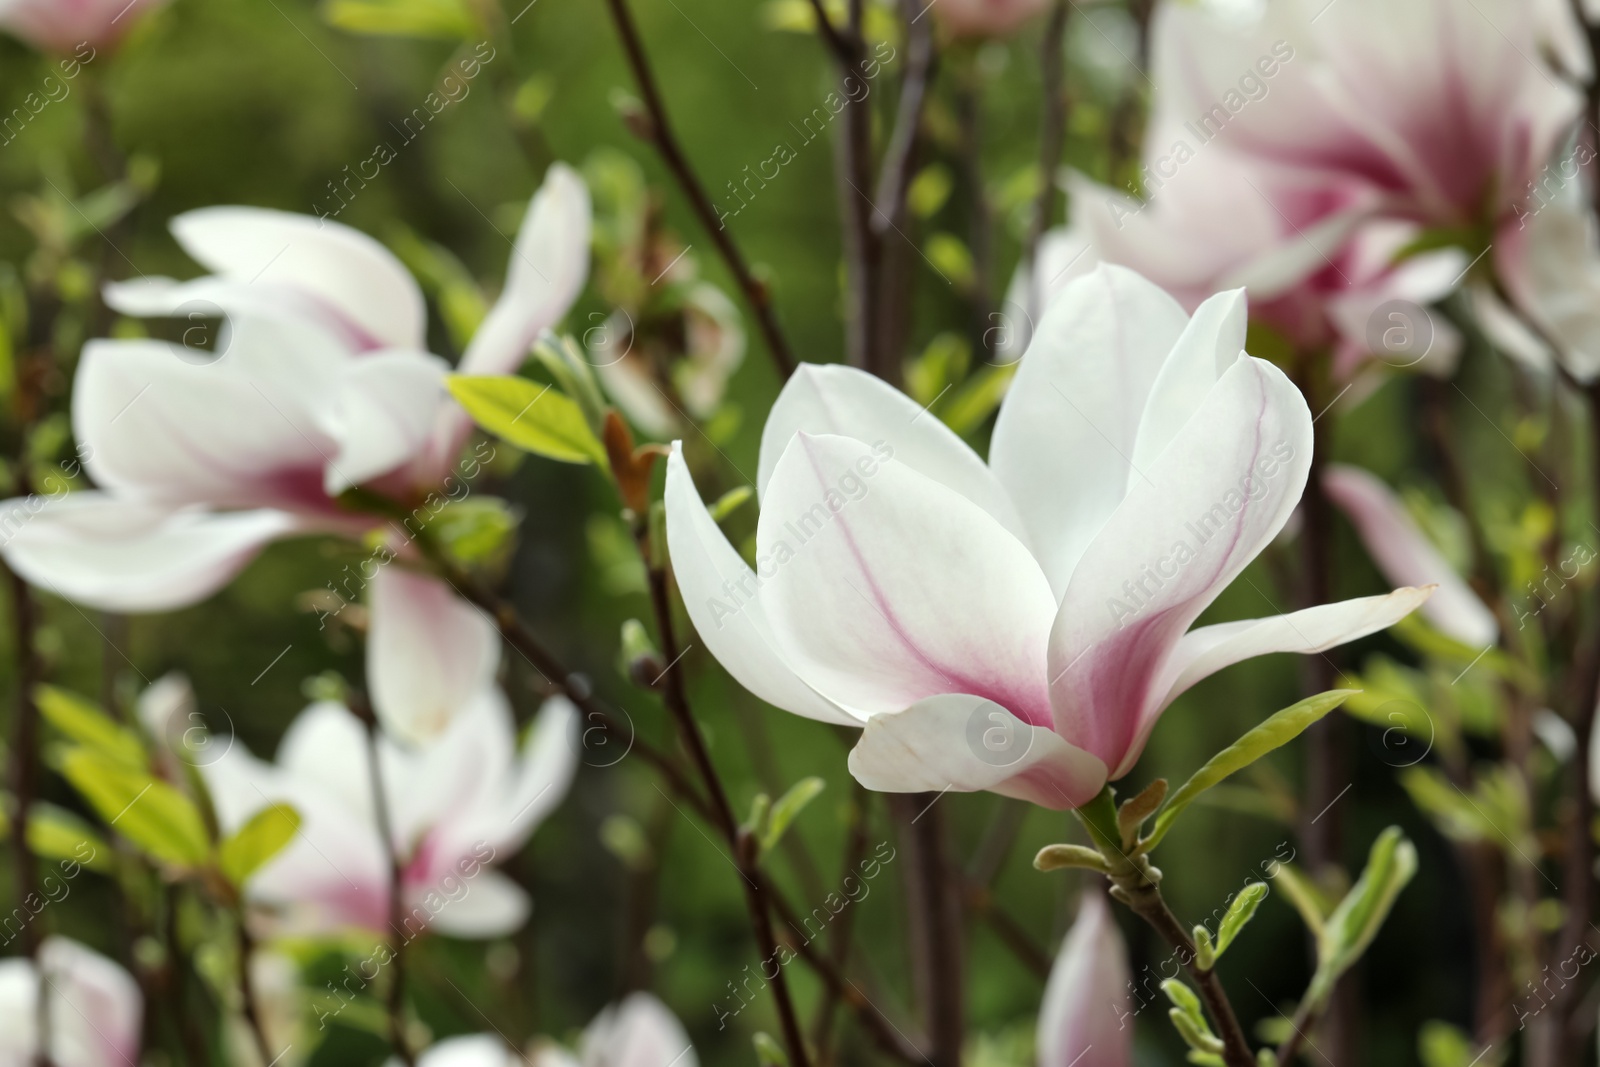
x=975 y=399
x=1184 y=999
x=1239 y=913
x=1055 y=857
x=1201 y=1040
x=1441 y=1045
x=404 y=18
x=267 y=833
x=1276 y=732
x=929 y=190
x=1136 y=809
x=476 y=529
x=149 y=813
x=1205 y=951
x=952 y=259
x=1355 y=922
x=532 y=417
x=788 y=808
x=729 y=502
x=768 y=1052
x=57 y=834
x=1312 y=904
x=83 y=722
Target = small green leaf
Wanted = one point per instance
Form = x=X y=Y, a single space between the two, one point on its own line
x=267 y=833
x=729 y=502
x=975 y=399
x=1312 y=904
x=768 y=1052
x=1276 y=732
x=404 y=18
x=788 y=808
x=474 y=530
x=760 y=808
x=1201 y=1040
x=57 y=834
x=1135 y=810
x=81 y=721
x=149 y=813
x=1205 y=952
x=1055 y=857
x=1239 y=913
x=952 y=259
x=532 y=417
x=1184 y=999
x=929 y=190
x=1355 y=922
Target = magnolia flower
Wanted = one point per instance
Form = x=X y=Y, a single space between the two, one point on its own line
x=95 y=1008
x=984 y=18
x=322 y=383
x=1086 y=1003
x=1018 y=626
x=1404 y=554
x=62 y=25
x=1317 y=266
x=1449 y=112
x=460 y=797
x=1549 y=260
x=639 y=1032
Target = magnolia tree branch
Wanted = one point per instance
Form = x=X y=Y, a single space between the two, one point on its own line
x=657 y=129
x=247 y=989
x=395 y=1004
x=1052 y=134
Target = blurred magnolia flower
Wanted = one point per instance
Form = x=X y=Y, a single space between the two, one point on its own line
x=319 y=382
x=1018 y=626
x=60 y=26
x=1086 y=1001
x=95 y=1008
x=1318 y=268
x=984 y=18
x=1448 y=111
x=639 y=1032
x=1549 y=261
x=1405 y=555
x=461 y=795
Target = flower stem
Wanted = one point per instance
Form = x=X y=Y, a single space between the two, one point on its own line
x=396 y=1004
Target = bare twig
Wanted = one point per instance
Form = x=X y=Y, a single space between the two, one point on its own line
x=1052 y=132
x=395 y=1004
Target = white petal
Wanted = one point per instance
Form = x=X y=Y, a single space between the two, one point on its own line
x=475 y=1050
x=428 y=654
x=548 y=266
x=1086 y=1001
x=1068 y=426
x=840 y=400
x=639 y=1032
x=1188 y=527
x=381 y=415
x=94 y=549
x=324 y=266
x=1406 y=557
x=1065 y=254
x=1210 y=344
x=968 y=744
x=888 y=587
x=487 y=905
x=95 y=1007
x=725 y=600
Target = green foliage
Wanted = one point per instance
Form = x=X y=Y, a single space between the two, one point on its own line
x=80 y=721
x=1239 y=914
x=255 y=843
x=475 y=531
x=150 y=814
x=529 y=416
x=1277 y=731
x=768 y=1052
x=1350 y=928
x=730 y=502
x=449 y=19
x=57 y=834
x=788 y=808
x=1055 y=857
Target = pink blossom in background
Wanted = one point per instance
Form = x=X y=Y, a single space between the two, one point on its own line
x=1087 y=1015
x=60 y=26
x=984 y=18
x=95 y=1009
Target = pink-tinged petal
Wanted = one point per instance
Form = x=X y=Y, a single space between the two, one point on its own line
x=1211 y=343
x=546 y=272
x=1192 y=521
x=1069 y=424
x=484 y=906
x=239 y=430
x=1205 y=651
x=1087 y=1015
x=726 y=600
x=326 y=269
x=1550 y=261
x=475 y=1050
x=382 y=415
x=79 y=28
x=95 y=1008
x=429 y=653
x=888 y=587
x=131 y=557
x=840 y=400
x=639 y=1032
x=1406 y=557
x=968 y=744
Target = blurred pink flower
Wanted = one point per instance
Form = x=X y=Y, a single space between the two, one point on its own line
x=320 y=381
x=1087 y=1006
x=1016 y=626
x=639 y=1032
x=1404 y=554
x=95 y=1009
x=60 y=26
x=984 y=18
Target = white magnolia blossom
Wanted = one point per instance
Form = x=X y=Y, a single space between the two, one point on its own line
x=320 y=381
x=1016 y=626
x=639 y=1032
x=1086 y=1018
x=95 y=1009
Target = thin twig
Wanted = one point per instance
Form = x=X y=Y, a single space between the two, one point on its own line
x=1052 y=134
x=395 y=1004
x=659 y=133
x=247 y=988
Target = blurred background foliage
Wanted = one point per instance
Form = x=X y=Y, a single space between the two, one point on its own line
x=263 y=102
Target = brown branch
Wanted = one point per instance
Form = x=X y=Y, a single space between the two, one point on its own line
x=395 y=1005
x=933 y=899
x=658 y=130
x=1052 y=134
